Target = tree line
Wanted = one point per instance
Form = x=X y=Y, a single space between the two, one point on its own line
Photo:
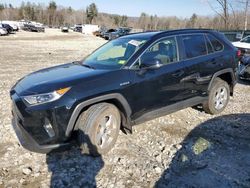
x=229 y=14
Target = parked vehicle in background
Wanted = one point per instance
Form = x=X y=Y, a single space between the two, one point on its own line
x=235 y=35
x=33 y=27
x=244 y=68
x=119 y=32
x=78 y=28
x=125 y=82
x=106 y=33
x=103 y=31
x=243 y=45
x=3 y=31
x=100 y=32
x=13 y=24
x=65 y=29
x=97 y=33
x=88 y=29
x=8 y=28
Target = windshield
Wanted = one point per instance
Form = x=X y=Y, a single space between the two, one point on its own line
x=114 y=54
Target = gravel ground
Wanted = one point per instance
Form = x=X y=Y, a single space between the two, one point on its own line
x=188 y=148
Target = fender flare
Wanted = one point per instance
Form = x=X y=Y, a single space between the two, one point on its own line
x=217 y=74
x=102 y=98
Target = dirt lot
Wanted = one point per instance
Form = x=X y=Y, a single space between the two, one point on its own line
x=185 y=149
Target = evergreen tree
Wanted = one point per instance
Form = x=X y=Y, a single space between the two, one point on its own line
x=92 y=12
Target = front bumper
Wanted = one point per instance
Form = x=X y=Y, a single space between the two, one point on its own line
x=29 y=125
x=29 y=143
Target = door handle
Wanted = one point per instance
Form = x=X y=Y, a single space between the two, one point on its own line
x=178 y=73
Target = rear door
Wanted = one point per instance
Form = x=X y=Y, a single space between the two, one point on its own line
x=216 y=60
x=203 y=57
x=195 y=59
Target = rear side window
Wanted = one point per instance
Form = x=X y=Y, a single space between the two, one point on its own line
x=217 y=46
x=195 y=45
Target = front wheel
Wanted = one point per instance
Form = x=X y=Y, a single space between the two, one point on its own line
x=98 y=128
x=218 y=97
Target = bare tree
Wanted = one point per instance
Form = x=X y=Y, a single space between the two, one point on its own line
x=143 y=21
x=51 y=13
x=245 y=13
x=192 y=21
x=222 y=10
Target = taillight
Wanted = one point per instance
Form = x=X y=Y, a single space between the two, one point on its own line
x=238 y=53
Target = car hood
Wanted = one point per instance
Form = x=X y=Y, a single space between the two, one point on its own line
x=50 y=79
x=241 y=45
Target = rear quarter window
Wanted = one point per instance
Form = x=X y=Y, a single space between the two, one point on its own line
x=194 y=45
x=217 y=45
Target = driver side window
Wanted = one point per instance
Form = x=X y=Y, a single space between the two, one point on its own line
x=165 y=51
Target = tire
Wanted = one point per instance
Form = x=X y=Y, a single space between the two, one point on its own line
x=98 y=129
x=218 y=97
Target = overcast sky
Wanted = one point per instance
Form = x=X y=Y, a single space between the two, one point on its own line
x=180 y=8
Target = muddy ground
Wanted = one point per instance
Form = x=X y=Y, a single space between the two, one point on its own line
x=188 y=148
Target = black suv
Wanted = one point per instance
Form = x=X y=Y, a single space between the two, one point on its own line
x=125 y=82
x=119 y=32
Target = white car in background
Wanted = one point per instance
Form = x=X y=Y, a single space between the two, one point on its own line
x=13 y=24
x=243 y=43
x=3 y=31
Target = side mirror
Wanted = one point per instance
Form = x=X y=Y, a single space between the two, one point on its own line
x=151 y=64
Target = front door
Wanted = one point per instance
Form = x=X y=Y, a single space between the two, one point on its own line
x=156 y=88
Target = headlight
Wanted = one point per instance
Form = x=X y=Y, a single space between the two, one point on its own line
x=45 y=97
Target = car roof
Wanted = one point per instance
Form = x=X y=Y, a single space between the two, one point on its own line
x=159 y=33
x=141 y=35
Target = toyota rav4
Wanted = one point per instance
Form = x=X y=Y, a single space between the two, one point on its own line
x=125 y=82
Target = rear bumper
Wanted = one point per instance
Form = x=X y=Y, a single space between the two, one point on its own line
x=30 y=144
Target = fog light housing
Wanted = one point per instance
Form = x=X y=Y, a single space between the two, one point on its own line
x=48 y=128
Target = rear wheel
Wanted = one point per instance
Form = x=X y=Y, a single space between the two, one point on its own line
x=98 y=128
x=218 y=97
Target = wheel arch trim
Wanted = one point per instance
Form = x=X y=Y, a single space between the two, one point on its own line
x=221 y=72
x=82 y=105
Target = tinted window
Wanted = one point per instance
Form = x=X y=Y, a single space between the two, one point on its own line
x=215 y=43
x=164 y=50
x=194 y=45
